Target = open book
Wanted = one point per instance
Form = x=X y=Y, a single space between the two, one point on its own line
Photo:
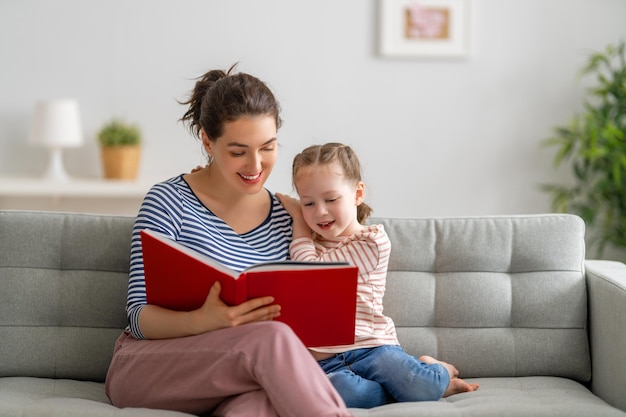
x=317 y=299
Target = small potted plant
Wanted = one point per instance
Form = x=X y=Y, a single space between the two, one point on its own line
x=120 y=145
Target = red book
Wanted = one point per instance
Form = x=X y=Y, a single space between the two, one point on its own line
x=317 y=299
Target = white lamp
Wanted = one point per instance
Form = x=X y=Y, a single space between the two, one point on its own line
x=56 y=125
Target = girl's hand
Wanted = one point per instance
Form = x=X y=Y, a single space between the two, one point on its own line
x=215 y=314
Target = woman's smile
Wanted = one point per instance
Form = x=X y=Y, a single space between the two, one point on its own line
x=251 y=179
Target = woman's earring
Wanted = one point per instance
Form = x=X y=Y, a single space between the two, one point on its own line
x=206 y=145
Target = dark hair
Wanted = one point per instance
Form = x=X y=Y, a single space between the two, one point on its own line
x=326 y=154
x=224 y=96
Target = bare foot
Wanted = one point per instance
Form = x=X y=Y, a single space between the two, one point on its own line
x=452 y=371
x=457 y=385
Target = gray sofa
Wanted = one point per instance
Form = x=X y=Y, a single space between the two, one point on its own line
x=510 y=301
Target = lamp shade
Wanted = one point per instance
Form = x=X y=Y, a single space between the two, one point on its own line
x=56 y=124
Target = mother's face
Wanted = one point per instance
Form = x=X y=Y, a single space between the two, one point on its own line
x=246 y=152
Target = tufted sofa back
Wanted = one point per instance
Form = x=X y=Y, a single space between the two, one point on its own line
x=63 y=283
x=496 y=296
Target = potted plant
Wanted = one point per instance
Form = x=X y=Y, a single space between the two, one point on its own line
x=594 y=143
x=120 y=145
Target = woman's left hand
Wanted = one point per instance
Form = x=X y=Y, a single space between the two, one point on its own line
x=196 y=169
x=292 y=205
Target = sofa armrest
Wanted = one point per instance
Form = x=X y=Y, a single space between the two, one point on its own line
x=606 y=283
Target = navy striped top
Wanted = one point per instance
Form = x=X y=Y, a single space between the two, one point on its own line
x=172 y=208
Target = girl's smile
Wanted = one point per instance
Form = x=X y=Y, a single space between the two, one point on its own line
x=326 y=225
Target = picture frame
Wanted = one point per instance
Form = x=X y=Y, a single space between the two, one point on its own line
x=424 y=28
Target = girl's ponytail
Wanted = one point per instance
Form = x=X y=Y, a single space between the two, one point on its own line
x=363 y=211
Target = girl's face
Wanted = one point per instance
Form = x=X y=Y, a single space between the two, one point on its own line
x=246 y=153
x=329 y=200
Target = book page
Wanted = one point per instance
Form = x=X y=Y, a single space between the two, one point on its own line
x=294 y=265
x=193 y=254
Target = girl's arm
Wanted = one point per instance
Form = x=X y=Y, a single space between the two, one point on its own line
x=368 y=250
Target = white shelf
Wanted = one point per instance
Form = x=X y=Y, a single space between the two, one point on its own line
x=75 y=187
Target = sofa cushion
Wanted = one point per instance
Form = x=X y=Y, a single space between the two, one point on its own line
x=495 y=296
x=526 y=396
x=511 y=397
x=47 y=397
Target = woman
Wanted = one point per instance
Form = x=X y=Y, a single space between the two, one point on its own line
x=221 y=360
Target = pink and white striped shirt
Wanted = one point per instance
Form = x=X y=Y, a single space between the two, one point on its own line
x=369 y=250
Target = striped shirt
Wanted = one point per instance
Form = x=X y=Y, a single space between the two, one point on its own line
x=172 y=208
x=369 y=250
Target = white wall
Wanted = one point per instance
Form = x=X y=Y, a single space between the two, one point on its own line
x=436 y=137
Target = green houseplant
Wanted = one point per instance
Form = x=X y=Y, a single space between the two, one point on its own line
x=120 y=145
x=595 y=146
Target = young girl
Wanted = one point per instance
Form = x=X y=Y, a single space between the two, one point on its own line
x=219 y=360
x=328 y=226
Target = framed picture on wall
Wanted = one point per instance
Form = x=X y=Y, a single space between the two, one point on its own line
x=424 y=28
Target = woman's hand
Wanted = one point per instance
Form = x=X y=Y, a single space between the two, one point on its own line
x=161 y=323
x=292 y=205
x=215 y=314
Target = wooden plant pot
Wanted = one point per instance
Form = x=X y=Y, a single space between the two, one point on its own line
x=121 y=162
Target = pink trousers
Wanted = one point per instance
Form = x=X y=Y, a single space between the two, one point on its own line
x=258 y=369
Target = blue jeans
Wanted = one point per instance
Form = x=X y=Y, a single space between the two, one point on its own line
x=370 y=377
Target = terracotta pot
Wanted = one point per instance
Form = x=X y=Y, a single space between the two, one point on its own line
x=121 y=162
